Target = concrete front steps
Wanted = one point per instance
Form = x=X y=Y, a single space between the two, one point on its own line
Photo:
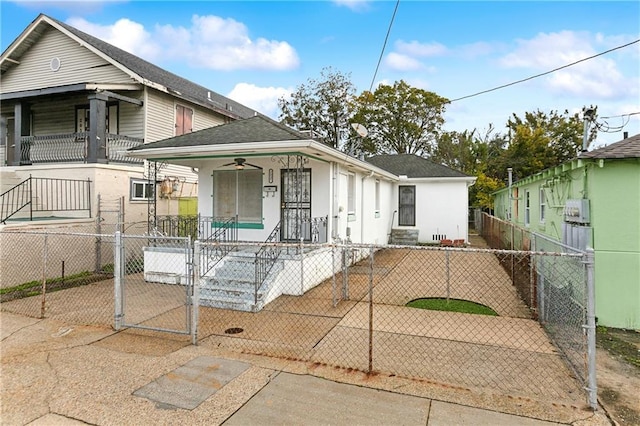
x=233 y=284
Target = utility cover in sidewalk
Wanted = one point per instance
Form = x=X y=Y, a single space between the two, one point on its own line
x=190 y=385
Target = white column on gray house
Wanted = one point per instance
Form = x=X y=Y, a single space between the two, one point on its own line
x=97 y=149
x=22 y=127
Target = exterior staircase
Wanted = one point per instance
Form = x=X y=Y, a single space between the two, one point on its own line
x=233 y=284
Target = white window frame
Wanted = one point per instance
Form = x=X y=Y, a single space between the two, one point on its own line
x=377 y=198
x=543 y=205
x=147 y=189
x=351 y=195
x=527 y=208
x=247 y=199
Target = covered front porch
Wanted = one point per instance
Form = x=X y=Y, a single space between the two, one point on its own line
x=70 y=124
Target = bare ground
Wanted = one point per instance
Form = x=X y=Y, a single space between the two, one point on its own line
x=618 y=371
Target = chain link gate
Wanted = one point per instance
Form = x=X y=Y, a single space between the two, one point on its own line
x=153 y=281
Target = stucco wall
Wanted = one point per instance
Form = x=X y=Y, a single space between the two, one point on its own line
x=612 y=187
x=441 y=209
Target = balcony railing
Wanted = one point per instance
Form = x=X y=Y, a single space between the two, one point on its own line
x=72 y=148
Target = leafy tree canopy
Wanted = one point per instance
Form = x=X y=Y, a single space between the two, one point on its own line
x=401 y=119
x=323 y=106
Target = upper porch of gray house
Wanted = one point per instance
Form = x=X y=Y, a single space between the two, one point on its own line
x=93 y=114
x=73 y=125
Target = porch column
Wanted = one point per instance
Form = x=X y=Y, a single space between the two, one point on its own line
x=97 y=149
x=22 y=127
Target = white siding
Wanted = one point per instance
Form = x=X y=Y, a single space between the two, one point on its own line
x=56 y=117
x=160 y=116
x=204 y=118
x=161 y=108
x=131 y=117
x=78 y=65
x=441 y=209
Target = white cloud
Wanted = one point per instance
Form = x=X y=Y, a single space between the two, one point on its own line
x=125 y=34
x=355 y=5
x=415 y=48
x=210 y=42
x=597 y=78
x=400 y=62
x=263 y=99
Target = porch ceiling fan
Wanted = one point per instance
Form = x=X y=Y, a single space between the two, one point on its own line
x=240 y=163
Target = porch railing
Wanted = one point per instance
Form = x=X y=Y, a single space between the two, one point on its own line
x=223 y=230
x=46 y=195
x=266 y=257
x=118 y=144
x=72 y=147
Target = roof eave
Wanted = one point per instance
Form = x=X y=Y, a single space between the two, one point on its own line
x=310 y=146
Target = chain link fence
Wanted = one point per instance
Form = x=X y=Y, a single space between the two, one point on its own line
x=561 y=286
x=505 y=321
x=68 y=276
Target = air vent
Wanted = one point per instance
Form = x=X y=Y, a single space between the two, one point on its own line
x=55 y=64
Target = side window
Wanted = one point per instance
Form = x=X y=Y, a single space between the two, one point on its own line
x=351 y=195
x=184 y=120
x=140 y=190
x=543 y=205
x=527 y=208
x=377 y=195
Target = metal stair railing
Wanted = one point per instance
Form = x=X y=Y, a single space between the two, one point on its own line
x=265 y=259
x=225 y=230
x=46 y=195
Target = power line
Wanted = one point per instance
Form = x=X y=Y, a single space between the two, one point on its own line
x=622 y=115
x=384 y=45
x=544 y=73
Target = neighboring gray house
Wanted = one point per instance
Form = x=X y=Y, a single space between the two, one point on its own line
x=71 y=104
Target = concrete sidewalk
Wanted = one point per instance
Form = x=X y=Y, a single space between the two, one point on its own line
x=55 y=373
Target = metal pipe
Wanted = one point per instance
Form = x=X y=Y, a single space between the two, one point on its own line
x=592 y=385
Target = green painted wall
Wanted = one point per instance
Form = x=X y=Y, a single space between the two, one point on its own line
x=188 y=206
x=613 y=188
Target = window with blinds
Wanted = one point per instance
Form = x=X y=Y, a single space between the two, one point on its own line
x=238 y=192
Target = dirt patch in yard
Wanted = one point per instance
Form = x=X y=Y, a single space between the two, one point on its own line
x=618 y=371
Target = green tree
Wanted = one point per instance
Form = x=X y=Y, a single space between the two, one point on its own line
x=540 y=141
x=480 y=193
x=400 y=119
x=323 y=106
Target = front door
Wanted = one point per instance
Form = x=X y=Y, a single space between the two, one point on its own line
x=407 y=206
x=295 y=214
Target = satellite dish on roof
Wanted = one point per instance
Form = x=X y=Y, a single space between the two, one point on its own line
x=360 y=129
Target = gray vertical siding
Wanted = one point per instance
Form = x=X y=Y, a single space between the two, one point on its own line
x=78 y=65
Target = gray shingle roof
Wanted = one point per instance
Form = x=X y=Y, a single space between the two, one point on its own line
x=412 y=166
x=626 y=148
x=179 y=86
x=254 y=129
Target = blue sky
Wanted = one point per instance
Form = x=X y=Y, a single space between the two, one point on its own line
x=257 y=51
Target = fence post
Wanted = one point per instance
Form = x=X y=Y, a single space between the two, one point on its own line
x=592 y=386
x=448 y=274
x=371 y=310
x=98 y=264
x=533 y=301
x=195 y=301
x=43 y=306
x=333 y=276
x=117 y=281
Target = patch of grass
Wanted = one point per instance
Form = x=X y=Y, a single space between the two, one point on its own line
x=38 y=283
x=619 y=344
x=451 y=305
x=34 y=288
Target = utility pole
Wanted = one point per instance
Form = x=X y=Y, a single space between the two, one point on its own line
x=588 y=114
